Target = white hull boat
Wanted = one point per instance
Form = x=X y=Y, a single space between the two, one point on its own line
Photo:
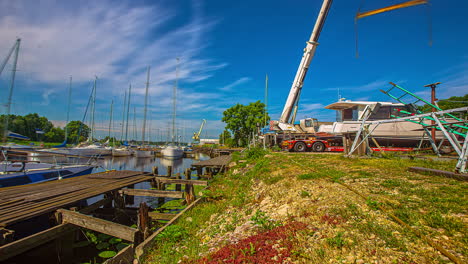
x=172 y=152
x=121 y=152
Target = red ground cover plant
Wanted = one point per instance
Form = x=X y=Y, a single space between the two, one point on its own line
x=273 y=246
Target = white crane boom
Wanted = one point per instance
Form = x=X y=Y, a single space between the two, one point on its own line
x=309 y=52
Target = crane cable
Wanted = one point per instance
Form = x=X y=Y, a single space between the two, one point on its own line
x=410 y=3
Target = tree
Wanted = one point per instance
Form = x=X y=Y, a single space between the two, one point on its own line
x=242 y=120
x=56 y=134
x=75 y=129
x=225 y=138
x=450 y=103
x=26 y=125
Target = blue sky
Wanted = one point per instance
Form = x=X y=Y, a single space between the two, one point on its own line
x=225 y=50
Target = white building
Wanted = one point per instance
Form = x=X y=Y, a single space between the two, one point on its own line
x=204 y=141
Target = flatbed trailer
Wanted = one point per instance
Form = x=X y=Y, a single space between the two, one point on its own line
x=326 y=145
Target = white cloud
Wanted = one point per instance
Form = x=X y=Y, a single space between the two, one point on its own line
x=115 y=41
x=372 y=86
x=234 y=84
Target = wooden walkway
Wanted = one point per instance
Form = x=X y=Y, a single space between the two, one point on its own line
x=214 y=162
x=23 y=202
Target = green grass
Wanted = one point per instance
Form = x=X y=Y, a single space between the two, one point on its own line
x=424 y=201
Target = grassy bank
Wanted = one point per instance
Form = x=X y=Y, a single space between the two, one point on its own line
x=313 y=208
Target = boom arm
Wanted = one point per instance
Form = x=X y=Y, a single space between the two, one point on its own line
x=196 y=136
x=309 y=52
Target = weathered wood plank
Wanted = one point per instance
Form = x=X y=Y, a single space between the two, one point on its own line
x=140 y=249
x=448 y=174
x=114 y=175
x=22 y=245
x=152 y=193
x=99 y=225
x=161 y=216
x=182 y=181
x=124 y=256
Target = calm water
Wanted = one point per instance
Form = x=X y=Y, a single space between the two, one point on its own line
x=134 y=164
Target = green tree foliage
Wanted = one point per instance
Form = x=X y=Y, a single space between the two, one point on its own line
x=27 y=125
x=242 y=120
x=75 y=127
x=450 y=103
x=225 y=138
x=56 y=134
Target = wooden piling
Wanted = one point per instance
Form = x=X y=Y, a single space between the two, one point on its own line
x=189 y=190
x=178 y=187
x=144 y=221
x=169 y=171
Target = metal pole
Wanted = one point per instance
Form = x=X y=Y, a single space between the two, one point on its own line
x=128 y=110
x=110 y=119
x=146 y=106
x=12 y=84
x=123 y=117
x=68 y=109
x=94 y=109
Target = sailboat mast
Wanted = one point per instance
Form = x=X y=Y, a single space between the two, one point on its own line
x=174 y=100
x=146 y=106
x=68 y=109
x=110 y=119
x=123 y=117
x=94 y=109
x=134 y=124
x=128 y=109
x=12 y=84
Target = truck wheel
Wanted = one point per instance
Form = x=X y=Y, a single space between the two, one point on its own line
x=300 y=147
x=318 y=147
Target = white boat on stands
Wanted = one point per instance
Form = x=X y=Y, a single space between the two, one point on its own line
x=121 y=152
x=172 y=152
x=143 y=153
x=350 y=115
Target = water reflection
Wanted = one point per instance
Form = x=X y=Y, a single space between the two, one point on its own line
x=130 y=163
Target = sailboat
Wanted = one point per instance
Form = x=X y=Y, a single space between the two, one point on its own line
x=124 y=151
x=142 y=152
x=173 y=151
x=92 y=149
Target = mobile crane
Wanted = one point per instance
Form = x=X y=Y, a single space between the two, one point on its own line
x=286 y=123
x=305 y=138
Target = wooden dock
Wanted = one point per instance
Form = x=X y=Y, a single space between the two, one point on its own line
x=212 y=166
x=59 y=201
x=26 y=201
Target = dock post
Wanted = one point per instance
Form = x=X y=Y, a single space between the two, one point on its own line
x=189 y=191
x=178 y=187
x=169 y=171
x=144 y=221
x=154 y=183
x=199 y=172
x=64 y=244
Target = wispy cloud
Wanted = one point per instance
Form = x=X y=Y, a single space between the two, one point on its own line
x=371 y=86
x=234 y=84
x=115 y=41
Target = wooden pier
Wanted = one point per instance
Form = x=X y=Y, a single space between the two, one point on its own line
x=212 y=166
x=59 y=201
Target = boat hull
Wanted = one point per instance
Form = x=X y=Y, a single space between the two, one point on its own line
x=121 y=152
x=172 y=152
x=38 y=176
